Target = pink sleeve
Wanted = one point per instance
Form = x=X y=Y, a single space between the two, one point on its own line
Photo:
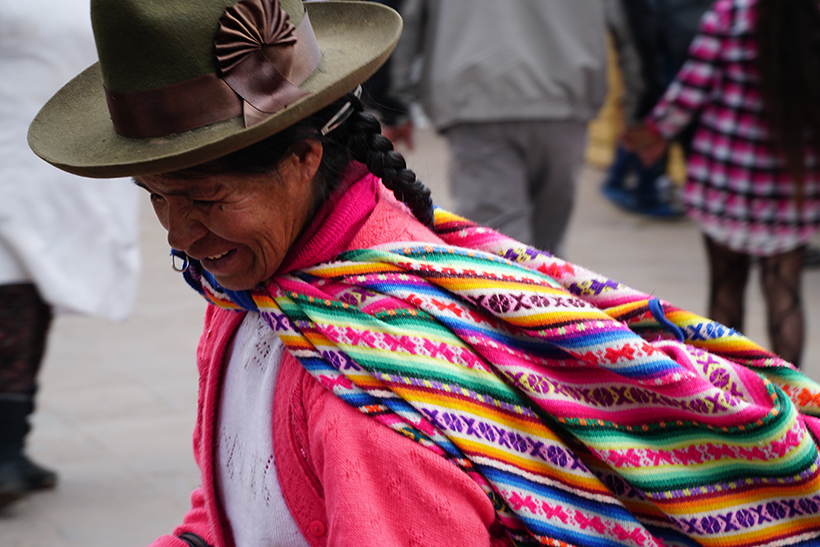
x=196 y=522
x=381 y=488
x=169 y=541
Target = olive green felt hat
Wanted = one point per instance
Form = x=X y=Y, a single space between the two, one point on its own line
x=183 y=82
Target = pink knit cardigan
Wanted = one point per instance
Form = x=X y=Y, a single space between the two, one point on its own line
x=347 y=480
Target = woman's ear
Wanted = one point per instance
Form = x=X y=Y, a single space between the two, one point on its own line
x=307 y=156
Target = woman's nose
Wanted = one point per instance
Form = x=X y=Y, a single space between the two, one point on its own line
x=183 y=228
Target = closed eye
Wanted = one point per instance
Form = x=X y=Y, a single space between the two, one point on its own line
x=203 y=202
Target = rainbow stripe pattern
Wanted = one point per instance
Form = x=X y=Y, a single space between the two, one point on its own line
x=590 y=413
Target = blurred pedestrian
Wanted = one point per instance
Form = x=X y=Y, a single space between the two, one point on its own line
x=64 y=245
x=379 y=96
x=512 y=86
x=663 y=31
x=753 y=182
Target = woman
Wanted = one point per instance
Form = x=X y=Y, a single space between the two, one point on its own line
x=753 y=182
x=526 y=409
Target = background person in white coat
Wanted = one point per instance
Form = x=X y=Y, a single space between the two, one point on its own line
x=66 y=244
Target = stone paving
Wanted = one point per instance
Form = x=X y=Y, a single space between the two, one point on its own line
x=117 y=403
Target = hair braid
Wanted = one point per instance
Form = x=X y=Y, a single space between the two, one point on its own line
x=367 y=145
x=788 y=35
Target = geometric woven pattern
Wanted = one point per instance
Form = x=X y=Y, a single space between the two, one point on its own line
x=590 y=413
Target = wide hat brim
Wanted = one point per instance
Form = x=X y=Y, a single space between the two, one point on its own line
x=74 y=132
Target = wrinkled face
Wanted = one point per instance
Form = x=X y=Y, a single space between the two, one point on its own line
x=240 y=227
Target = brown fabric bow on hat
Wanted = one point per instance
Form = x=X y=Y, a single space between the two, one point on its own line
x=183 y=82
x=263 y=57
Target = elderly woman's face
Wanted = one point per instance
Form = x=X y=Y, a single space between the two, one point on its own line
x=238 y=227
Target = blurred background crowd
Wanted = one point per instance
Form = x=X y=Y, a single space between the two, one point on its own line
x=651 y=140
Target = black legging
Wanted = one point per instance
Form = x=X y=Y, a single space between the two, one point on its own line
x=780 y=277
x=24 y=323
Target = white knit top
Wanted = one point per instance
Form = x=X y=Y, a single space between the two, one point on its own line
x=247 y=480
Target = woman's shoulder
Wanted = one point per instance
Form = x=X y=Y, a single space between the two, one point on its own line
x=391 y=221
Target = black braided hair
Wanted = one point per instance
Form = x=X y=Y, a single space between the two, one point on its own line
x=359 y=138
x=368 y=146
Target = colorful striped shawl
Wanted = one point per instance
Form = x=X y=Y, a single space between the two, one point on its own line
x=590 y=413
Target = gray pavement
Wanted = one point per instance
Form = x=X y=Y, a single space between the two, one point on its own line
x=118 y=401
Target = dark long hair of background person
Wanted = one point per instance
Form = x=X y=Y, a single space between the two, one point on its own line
x=788 y=36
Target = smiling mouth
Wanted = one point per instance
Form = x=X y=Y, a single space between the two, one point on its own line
x=217 y=261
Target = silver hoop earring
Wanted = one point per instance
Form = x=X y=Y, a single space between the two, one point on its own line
x=184 y=259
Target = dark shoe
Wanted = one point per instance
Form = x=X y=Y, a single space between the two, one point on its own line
x=621 y=197
x=37 y=477
x=20 y=476
x=659 y=210
x=12 y=483
x=627 y=200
